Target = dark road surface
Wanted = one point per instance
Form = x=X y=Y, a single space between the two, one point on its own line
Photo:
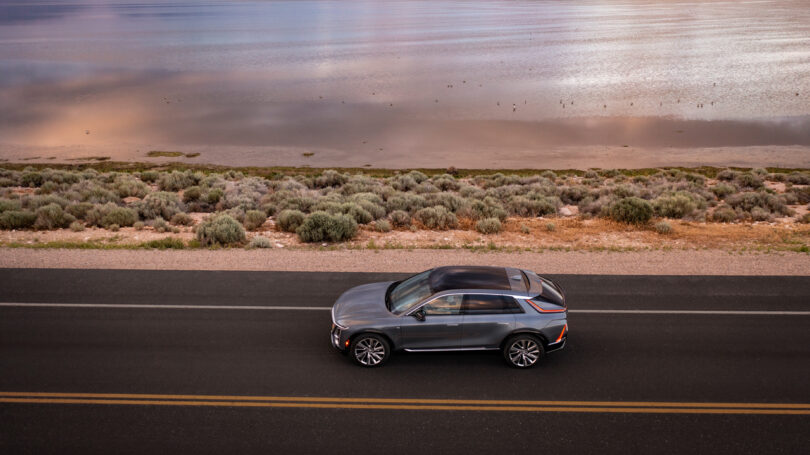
x=748 y=358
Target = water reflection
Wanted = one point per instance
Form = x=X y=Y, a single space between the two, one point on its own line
x=386 y=79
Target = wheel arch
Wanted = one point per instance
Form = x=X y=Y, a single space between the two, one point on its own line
x=375 y=332
x=535 y=333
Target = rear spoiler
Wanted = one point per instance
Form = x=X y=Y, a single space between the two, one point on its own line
x=545 y=290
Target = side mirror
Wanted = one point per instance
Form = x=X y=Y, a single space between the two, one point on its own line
x=419 y=315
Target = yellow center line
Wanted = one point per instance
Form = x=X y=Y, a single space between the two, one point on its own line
x=254 y=404
x=403 y=403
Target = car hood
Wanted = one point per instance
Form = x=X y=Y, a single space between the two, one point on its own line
x=361 y=304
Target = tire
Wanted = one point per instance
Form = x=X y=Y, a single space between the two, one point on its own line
x=523 y=351
x=370 y=350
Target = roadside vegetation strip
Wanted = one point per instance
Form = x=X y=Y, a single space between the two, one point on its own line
x=326 y=308
x=406 y=403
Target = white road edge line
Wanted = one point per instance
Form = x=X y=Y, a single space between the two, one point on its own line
x=324 y=308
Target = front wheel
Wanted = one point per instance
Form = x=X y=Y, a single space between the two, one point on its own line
x=523 y=351
x=370 y=350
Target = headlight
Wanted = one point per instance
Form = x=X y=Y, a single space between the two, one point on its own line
x=334 y=321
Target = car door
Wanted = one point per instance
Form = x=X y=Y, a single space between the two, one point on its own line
x=488 y=319
x=441 y=328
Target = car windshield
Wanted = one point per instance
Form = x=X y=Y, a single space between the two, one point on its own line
x=410 y=292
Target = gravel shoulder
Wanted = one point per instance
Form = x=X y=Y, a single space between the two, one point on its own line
x=696 y=262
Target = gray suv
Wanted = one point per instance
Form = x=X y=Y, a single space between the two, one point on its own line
x=460 y=308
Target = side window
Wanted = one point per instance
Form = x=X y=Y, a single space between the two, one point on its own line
x=489 y=304
x=447 y=305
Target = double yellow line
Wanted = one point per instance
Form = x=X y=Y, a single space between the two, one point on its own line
x=405 y=403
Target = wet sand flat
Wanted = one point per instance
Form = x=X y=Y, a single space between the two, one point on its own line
x=409 y=83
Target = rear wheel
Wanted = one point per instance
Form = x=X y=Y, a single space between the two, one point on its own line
x=370 y=350
x=523 y=351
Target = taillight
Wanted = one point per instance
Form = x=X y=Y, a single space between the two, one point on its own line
x=562 y=333
x=543 y=310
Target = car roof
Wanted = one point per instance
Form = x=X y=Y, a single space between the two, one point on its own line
x=469 y=277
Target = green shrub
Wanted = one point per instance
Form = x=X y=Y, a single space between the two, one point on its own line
x=747 y=201
x=573 y=194
x=760 y=214
x=149 y=176
x=445 y=182
x=220 y=229
x=166 y=243
x=631 y=210
x=128 y=186
x=798 y=178
x=330 y=178
x=254 y=219
x=488 y=226
x=31 y=179
x=290 y=220
x=77 y=226
x=805 y=219
x=160 y=204
x=79 y=209
x=525 y=207
x=674 y=206
x=35 y=202
x=17 y=219
x=182 y=219
x=525 y=229
x=400 y=218
x=662 y=227
x=382 y=226
x=113 y=227
x=52 y=216
x=377 y=211
x=721 y=190
x=160 y=225
x=406 y=202
x=175 y=181
x=551 y=175
x=260 y=242
x=9 y=204
x=488 y=208
x=121 y=216
x=138 y=225
x=193 y=193
x=801 y=195
x=322 y=226
x=437 y=217
x=748 y=181
x=360 y=215
x=551 y=227
x=213 y=196
x=727 y=175
x=724 y=214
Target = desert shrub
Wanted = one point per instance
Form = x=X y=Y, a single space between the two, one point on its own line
x=674 y=206
x=52 y=216
x=573 y=194
x=290 y=220
x=591 y=174
x=382 y=226
x=748 y=181
x=805 y=219
x=426 y=188
x=403 y=183
x=214 y=195
x=798 y=178
x=128 y=186
x=747 y=201
x=360 y=215
x=160 y=225
x=322 y=226
x=121 y=216
x=721 y=190
x=166 y=243
x=488 y=226
x=79 y=209
x=48 y=187
x=89 y=191
x=302 y=203
x=525 y=229
x=525 y=207
x=631 y=210
x=159 y=204
x=727 y=175
x=488 y=208
x=662 y=227
x=260 y=242
x=437 y=217
x=77 y=226
x=9 y=204
x=113 y=227
x=254 y=219
x=551 y=175
x=330 y=178
x=400 y=218
x=193 y=193
x=407 y=202
x=724 y=214
x=471 y=192
x=35 y=202
x=760 y=214
x=377 y=211
x=17 y=219
x=623 y=191
x=175 y=181
x=801 y=195
x=138 y=225
x=220 y=229
x=182 y=219
x=245 y=194
x=6 y=182
x=149 y=176
x=551 y=227
x=445 y=182
x=31 y=179
x=449 y=201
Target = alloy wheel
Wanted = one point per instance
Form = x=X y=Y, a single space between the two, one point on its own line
x=524 y=353
x=369 y=351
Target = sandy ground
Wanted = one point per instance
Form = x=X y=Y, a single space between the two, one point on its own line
x=704 y=262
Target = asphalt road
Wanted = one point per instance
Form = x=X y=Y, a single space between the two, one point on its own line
x=641 y=363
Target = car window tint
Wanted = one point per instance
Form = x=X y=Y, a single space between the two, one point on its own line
x=447 y=305
x=489 y=304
